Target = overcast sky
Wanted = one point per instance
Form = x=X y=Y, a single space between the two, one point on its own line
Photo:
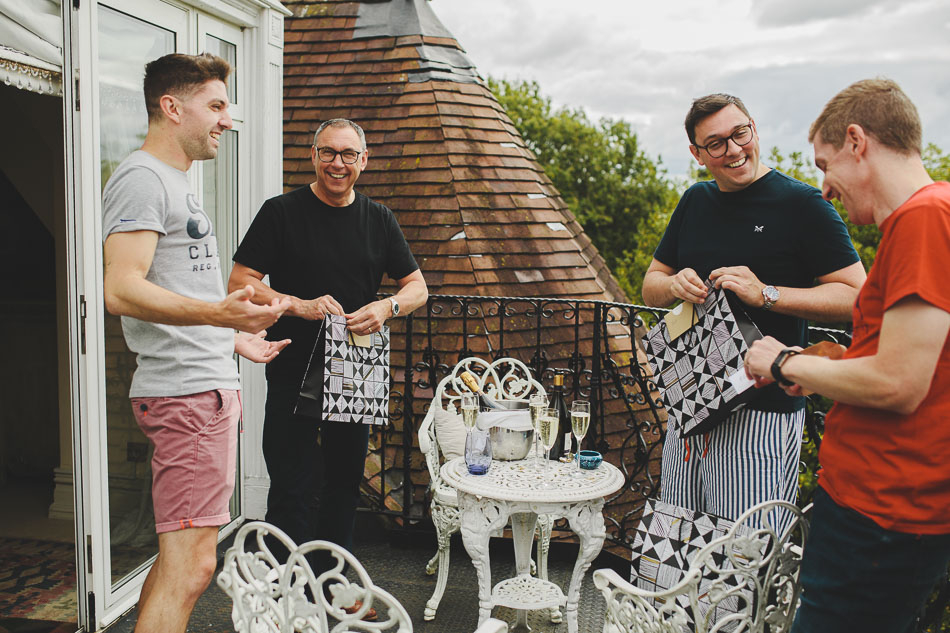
x=645 y=61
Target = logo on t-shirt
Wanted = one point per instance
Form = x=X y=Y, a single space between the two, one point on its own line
x=759 y=229
x=199 y=226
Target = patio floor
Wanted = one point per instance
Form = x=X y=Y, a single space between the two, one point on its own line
x=396 y=562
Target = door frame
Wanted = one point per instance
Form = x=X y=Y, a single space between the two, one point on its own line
x=260 y=23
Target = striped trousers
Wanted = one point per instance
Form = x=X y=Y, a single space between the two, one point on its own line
x=751 y=457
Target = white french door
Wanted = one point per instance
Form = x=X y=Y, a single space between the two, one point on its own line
x=111 y=41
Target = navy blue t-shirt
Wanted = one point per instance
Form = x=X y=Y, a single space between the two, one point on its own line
x=780 y=228
x=311 y=249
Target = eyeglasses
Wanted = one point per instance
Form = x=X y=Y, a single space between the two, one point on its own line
x=717 y=147
x=328 y=155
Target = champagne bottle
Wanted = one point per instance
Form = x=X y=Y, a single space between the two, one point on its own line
x=486 y=401
x=563 y=415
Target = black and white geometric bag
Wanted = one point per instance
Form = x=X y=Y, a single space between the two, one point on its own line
x=354 y=383
x=665 y=542
x=700 y=371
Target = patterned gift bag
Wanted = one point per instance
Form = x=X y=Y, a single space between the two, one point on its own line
x=700 y=372
x=665 y=542
x=354 y=383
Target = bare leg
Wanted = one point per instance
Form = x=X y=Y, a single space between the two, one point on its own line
x=186 y=561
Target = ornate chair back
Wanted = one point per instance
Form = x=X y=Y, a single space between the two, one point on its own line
x=752 y=569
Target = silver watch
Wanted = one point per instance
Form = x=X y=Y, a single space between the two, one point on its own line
x=770 y=297
x=395 y=305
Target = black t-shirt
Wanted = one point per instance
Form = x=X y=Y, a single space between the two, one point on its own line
x=780 y=228
x=311 y=249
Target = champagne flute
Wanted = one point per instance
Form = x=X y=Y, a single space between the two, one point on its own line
x=547 y=425
x=580 y=421
x=469 y=410
x=537 y=403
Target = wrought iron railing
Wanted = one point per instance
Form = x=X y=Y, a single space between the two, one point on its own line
x=592 y=344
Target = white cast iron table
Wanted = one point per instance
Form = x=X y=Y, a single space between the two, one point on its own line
x=514 y=490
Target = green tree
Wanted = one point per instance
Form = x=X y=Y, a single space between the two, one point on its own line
x=612 y=186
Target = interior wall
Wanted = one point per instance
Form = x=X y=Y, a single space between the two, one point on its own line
x=32 y=323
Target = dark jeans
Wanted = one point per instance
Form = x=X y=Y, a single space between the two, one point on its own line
x=857 y=576
x=315 y=470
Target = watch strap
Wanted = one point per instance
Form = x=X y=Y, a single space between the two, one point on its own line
x=783 y=356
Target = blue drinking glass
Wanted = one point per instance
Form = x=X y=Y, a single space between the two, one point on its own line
x=478 y=451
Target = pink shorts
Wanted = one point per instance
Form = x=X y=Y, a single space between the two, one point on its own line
x=195 y=439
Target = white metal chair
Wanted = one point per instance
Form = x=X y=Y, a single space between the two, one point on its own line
x=503 y=379
x=759 y=574
x=269 y=597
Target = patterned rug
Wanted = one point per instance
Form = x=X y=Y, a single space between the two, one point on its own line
x=37 y=582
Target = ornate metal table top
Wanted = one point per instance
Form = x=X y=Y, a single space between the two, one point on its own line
x=519 y=481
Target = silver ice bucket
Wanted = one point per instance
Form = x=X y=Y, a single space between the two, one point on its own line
x=508 y=444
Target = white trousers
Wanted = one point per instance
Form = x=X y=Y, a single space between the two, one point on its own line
x=751 y=457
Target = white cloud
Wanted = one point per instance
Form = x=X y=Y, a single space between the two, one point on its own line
x=645 y=62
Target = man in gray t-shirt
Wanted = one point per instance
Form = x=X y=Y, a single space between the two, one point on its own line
x=162 y=276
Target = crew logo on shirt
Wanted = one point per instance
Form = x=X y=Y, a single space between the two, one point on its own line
x=199 y=227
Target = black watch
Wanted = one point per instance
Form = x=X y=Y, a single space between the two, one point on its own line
x=783 y=356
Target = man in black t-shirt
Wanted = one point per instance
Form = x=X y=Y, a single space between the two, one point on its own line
x=768 y=238
x=325 y=247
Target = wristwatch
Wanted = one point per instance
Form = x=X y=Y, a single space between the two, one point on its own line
x=783 y=356
x=395 y=305
x=770 y=297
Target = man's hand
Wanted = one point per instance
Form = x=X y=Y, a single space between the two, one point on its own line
x=256 y=348
x=687 y=285
x=316 y=309
x=742 y=281
x=758 y=363
x=369 y=318
x=239 y=312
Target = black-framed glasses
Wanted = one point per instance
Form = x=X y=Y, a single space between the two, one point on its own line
x=717 y=147
x=328 y=155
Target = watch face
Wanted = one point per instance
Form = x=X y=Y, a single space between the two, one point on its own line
x=771 y=293
x=395 y=306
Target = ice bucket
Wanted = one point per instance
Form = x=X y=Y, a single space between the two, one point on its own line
x=509 y=444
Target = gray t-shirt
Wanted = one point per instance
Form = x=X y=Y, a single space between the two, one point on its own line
x=145 y=194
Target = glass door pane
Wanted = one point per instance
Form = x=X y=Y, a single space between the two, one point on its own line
x=220 y=178
x=126 y=44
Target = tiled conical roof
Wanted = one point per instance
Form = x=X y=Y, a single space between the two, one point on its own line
x=479 y=213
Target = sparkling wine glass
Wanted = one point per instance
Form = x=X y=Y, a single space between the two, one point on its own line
x=547 y=425
x=580 y=421
x=469 y=410
x=537 y=403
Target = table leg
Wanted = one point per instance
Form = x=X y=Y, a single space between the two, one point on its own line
x=479 y=517
x=522 y=529
x=587 y=521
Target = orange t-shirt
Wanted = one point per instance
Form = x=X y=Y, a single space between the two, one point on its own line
x=893 y=468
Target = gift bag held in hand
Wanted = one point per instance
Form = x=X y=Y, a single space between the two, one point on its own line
x=696 y=354
x=347 y=379
x=665 y=542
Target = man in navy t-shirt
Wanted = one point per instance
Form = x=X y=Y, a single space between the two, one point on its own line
x=786 y=254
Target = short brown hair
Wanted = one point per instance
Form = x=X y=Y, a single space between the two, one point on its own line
x=340 y=123
x=880 y=107
x=710 y=104
x=180 y=75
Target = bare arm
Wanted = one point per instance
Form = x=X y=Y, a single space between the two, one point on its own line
x=663 y=285
x=896 y=378
x=832 y=299
x=412 y=294
x=128 y=257
x=310 y=309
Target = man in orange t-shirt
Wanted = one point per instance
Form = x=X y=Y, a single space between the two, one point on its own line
x=880 y=537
